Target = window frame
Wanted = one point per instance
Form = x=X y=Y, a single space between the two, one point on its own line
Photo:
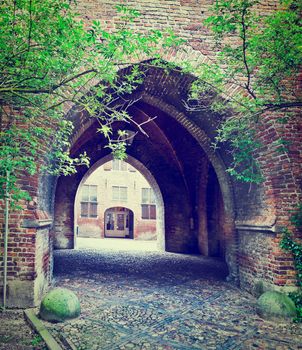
x=148 y=204
x=91 y=202
x=119 y=198
x=119 y=165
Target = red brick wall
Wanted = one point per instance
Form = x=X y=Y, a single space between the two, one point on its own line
x=29 y=255
x=283 y=170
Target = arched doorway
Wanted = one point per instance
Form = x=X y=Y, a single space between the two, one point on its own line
x=127 y=203
x=118 y=223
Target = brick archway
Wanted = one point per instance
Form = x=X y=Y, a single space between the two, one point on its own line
x=157 y=91
x=260 y=213
x=254 y=211
x=160 y=220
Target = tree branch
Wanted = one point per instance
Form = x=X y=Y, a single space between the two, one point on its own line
x=30 y=25
x=275 y=106
x=51 y=88
x=244 y=48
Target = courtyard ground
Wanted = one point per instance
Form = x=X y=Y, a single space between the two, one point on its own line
x=136 y=299
x=148 y=300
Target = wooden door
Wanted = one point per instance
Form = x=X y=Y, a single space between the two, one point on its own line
x=117 y=222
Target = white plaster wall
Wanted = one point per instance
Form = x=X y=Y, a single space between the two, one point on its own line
x=105 y=180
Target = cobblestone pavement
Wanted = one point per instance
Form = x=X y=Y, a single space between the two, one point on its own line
x=150 y=300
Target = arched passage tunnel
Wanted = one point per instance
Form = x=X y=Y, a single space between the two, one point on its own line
x=196 y=193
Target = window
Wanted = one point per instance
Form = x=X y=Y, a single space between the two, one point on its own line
x=148 y=196
x=148 y=211
x=148 y=204
x=119 y=165
x=119 y=193
x=108 y=166
x=89 y=204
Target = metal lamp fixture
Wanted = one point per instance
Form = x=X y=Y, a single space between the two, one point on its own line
x=129 y=137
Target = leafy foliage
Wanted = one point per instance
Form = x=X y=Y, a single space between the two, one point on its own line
x=289 y=244
x=297 y=299
x=260 y=56
x=295 y=248
x=296 y=218
x=37 y=340
x=49 y=61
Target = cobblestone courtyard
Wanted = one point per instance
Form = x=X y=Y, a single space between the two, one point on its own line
x=152 y=300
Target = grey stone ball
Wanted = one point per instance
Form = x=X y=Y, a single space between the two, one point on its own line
x=277 y=306
x=59 y=304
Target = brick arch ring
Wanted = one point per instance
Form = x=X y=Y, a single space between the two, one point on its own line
x=154 y=97
x=205 y=143
x=160 y=217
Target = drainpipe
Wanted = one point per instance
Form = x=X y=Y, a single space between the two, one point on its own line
x=5 y=241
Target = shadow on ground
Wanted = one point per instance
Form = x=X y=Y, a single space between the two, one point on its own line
x=151 y=265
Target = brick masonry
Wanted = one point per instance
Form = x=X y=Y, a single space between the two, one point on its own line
x=190 y=176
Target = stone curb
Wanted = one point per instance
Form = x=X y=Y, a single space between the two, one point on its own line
x=38 y=326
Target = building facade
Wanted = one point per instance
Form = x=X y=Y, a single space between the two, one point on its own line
x=116 y=201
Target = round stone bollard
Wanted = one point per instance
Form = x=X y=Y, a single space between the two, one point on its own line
x=60 y=304
x=276 y=306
